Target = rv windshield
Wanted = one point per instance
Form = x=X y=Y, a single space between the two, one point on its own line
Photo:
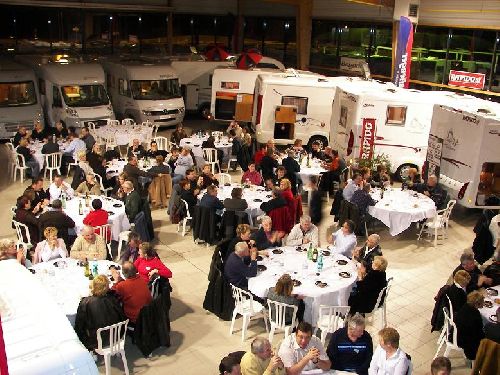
x=85 y=95
x=156 y=90
x=15 y=94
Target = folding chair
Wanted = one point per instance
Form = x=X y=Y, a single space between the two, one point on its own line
x=117 y=334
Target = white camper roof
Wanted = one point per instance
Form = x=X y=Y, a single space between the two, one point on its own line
x=11 y=71
x=475 y=106
x=144 y=69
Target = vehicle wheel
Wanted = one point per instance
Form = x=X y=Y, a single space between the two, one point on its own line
x=323 y=142
x=205 y=111
x=402 y=171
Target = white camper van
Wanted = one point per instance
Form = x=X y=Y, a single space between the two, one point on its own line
x=144 y=90
x=19 y=98
x=72 y=91
x=233 y=93
x=464 y=151
x=384 y=119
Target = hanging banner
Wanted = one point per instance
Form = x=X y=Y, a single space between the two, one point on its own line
x=403 y=53
x=466 y=79
x=367 y=139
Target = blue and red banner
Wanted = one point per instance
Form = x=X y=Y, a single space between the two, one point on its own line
x=403 y=53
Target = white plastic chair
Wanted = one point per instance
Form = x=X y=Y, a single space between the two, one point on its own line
x=104 y=190
x=21 y=167
x=105 y=232
x=217 y=134
x=232 y=158
x=12 y=159
x=184 y=221
x=52 y=163
x=92 y=127
x=279 y=321
x=382 y=306
x=248 y=308
x=117 y=334
x=439 y=222
x=122 y=237
x=128 y=122
x=210 y=156
x=71 y=164
x=224 y=178
x=330 y=319
x=449 y=335
x=110 y=122
x=22 y=232
x=163 y=143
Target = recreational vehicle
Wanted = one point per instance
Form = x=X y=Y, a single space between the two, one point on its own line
x=71 y=91
x=464 y=151
x=383 y=119
x=19 y=98
x=144 y=90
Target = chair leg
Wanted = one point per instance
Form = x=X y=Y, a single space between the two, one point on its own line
x=265 y=320
x=420 y=233
x=439 y=348
x=107 y=363
x=271 y=333
x=246 y=321
x=435 y=236
x=447 y=351
x=323 y=336
x=232 y=323
x=124 y=360
x=120 y=243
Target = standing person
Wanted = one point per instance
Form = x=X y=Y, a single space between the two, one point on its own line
x=260 y=360
x=351 y=348
x=388 y=358
x=282 y=293
x=132 y=201
x=29 y=159
x=315 y=203
x=344 y=239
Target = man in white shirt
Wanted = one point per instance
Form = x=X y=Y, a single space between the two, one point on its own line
x=303 y=233
x=59 y=186
x=495 y=231
x=71 y=152
x=388 y=359
x=354 y=184
x=183 y=163
x=300 y=351
x=344 y=240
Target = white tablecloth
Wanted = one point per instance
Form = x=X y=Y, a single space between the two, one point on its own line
x=400 y=208
x=488 y=312
x=293 y=262
x=315 y=169
x=39 y=157
x=195 y=143
x=117 y=218
x=125 y=134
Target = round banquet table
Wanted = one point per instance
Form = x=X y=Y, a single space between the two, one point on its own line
x=66 y=283
x=195 y=142
x=117 y=218
x=295 y=263
x=37 y=148
x=125 y=134
x=489 y=313
x=399 y=208
x=315 y=169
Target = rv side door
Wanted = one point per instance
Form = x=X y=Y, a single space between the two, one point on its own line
x=191 y=97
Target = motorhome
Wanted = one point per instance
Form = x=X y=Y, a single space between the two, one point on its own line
x=19 y=98
x=463 y=150
x=144 y=90
x=383 y=119
x=233 y=93
x=71 y=90
x=295 y=104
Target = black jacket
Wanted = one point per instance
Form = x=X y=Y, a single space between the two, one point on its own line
x=235 y=204
x=205 y=224
x=267 y=165
x=470 y=330
x=367 y=290
x=315 y=207
x=437 y=319
x=140 y=151
x=272 y=204
x=50 y=148
x=59 y=220
x=474 y=278
x=457 y=297
x=483 y=246
x=133 y=204
x=261 y=241
x=26 y=217
x=350 y=356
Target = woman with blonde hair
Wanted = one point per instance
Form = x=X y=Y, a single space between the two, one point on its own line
x=8 y=250
x=51 y=248
x=100 y=309
x=282 y=292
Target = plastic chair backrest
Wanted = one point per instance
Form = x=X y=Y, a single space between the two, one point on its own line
x=105 y=232
x=210 y=155
x=117 y=334
x=240 y=298
x=381 y=295
x=11 y=147
x=22 y=231
x=279 y=309
x=224 y=178
x=451 y=328
x=336 y=316
x=162 y=143
x=113 y=122
x=188 y=214
x=91 y=125
x=128 y=121
x=447 y=212
x=53 y=160
x=99 y=181
x=20 y=161
x=450 y=306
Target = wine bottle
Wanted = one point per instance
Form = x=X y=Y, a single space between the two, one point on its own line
x=310 y=252
x=86 y=268
x=80 y=208
x=315 y=255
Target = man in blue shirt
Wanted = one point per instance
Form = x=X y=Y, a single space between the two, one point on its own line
x=210 y=199
x=351 y=348
x=71 y=152
x=352 y=185
x=362 y=199
x=241 y=265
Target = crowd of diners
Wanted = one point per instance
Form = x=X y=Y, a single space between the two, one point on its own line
x=351 y=348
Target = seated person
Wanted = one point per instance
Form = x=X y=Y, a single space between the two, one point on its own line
x=344 y=239
x=174 y=154
x=352 y=185
x=335 y=167
x=88 y=187
x=259 y=155
x=282 y=293
x=492 y=330
x=260 y=360
x=388 y=358
x=304 y=233
x=9 y=250
x=414 y=177
x=83 y=163
x=433 y=190
x=368 y=286
x=269 y=184
x=89 y=245
x=97 y=216
x=291 y=165
x=350 y=348
x=280 y=175
x=194 y=180
x=316 y=152
x=362 y=199
x=368 y=251
x=39 y=194
x=132 y=291
x=241 y=265
x=29 y=159
x=297 y=146
x=153 y=151
x=21 y=133
x=183 y=163
x=60 y=187
x=267 y=164
x=208 y=177
x=56 y=217
x=456 y=292
x=251 y=176
x=51 y=248
x=70 y=154
x=86 y=137
x=477 y=279
x=235 y=127
x=39 y=133
x=470 y=324
x=117 y=191
x=99 y=310
x=178 y=134
x=25 y=215
x=188 y=195
x=265 y=237
x=381 y=177
x=50 y=147
x=131 y=252
x=276 y=201
x=301 y=351
x=210 y=200
x=149 y=264
x=493 y=270
x=236 y=202
x=440 y=366
x=60 y=131
x=136 y=149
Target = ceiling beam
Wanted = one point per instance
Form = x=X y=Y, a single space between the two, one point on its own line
x=89 y=6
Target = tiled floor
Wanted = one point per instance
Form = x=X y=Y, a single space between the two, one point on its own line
x=200 y=340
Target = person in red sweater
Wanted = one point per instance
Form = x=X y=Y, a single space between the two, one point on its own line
x=149 y=263
x=97 y=216
x=133 y=291
x=259 y=155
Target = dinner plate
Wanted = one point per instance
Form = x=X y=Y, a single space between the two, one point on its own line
x=345 y=275
x=297 y=282
x=227 y=184
x=259 y=258
x=321 y=284
x=111 y=212
x=269 y=196
x=491 y=292
x=342 y=262
x=299 y=249
x=261 y=267
x=117 y=205
x=488 y=304
x=257 y=200
x=187 y=142
x=493 y=318
x=325 y=253
x=277 y=251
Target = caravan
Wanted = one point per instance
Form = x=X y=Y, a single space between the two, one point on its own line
x=464 y=151
x=71 y=91
x=144 y=90
x=383 y=119
x=19 y=98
